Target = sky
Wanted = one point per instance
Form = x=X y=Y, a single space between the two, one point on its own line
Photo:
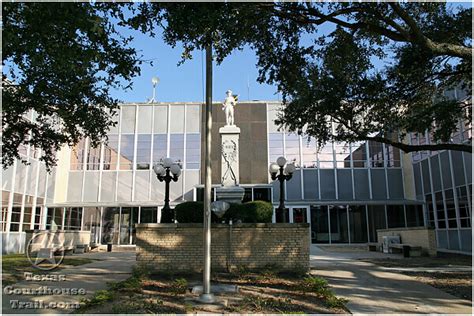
x=186 y=82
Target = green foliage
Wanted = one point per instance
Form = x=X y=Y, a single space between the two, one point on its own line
x=179 y=286
x=371 y=69
x=320 y=287
x=61 y=60
x=131 y=284
x=99 y=297
x=192 y=212
x=265 y=304
x=142 y=306
x=313 y=284
x=251 y=212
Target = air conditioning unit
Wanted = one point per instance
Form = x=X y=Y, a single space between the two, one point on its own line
x=387 y=240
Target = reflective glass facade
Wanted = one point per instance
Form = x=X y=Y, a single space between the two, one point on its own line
x=346 y=191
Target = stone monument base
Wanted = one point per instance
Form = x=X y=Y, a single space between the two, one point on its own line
x=230 y=194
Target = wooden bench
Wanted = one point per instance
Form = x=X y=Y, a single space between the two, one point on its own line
x=374 y=246
x=407 y=250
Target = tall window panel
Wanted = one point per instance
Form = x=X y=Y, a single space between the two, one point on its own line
x=177 y=147
x=359 y=155
x=126 y=151
x=310 y=152
x=111 y=152
x=193 y=151
x=429 y=205
x=326 y=156
x=395 y=216
x=450 y=208
x=93 y=158
x=275 y=146
x=392 y=156
x=160 y=144
x=343 y=155
x=77 y=155
x=143 y=151
x=292 y=149
x=464 y=211
x=440 y=210
x=5 y=198
x=16 y=213
x=376 y=154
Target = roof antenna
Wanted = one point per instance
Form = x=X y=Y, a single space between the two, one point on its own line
x=155 y=80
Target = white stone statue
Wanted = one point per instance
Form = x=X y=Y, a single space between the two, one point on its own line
x=228 y=108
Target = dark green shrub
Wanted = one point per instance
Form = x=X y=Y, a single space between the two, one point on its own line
x=251 y=212
x=192 y=212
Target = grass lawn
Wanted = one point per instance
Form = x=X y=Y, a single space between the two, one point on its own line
x=264 y=292
x=14 y=266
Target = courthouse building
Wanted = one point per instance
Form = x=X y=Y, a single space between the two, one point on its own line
x=345 y=191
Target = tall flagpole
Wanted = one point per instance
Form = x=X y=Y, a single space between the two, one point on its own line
x=206 y=295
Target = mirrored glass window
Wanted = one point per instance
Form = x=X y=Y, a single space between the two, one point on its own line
x=93 y=158
x=193 y=151
x=292 y=149
x=343 y=155
x=126 y=152
x=77 y=155
x=160 y=142
x=111 y=152
x=275 y=146
x=310 y=152
x=326 y=156
x=177 y=147
x=143 y=151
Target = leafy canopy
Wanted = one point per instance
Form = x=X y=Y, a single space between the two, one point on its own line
x=60 y=60
x=374 y=70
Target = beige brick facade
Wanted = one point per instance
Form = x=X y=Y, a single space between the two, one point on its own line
x=415 y=236
x=179 y=247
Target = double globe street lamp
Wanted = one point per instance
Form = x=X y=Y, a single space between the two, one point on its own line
x=279 y=172
x=167 y=170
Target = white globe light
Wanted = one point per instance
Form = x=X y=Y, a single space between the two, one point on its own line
x=159 y=170
x=155 y=80
x=290 y=168
x=273 y=168
x=175 y=169
x=281 y=161
x=168 y=162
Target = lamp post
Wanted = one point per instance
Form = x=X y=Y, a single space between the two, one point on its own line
x=279 y=172
x=167 y=171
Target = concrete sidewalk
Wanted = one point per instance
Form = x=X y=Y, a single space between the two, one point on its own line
x=111 y=267
x=372 y=289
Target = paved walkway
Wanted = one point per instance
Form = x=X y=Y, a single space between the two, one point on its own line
x=372 y=289
x=112 y=267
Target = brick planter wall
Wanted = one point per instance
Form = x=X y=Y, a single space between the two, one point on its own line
x=179 y=247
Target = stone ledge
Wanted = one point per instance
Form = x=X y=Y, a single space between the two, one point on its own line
x=241 y=225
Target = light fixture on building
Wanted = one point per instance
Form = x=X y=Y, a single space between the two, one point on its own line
x=167 y=170
x=155 y=80
x=282 y=173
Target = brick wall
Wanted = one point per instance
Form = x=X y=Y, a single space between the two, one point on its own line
x=179 y=247
x=415 y=236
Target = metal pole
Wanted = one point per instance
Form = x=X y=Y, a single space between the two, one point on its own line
x=281 y=207
x=206 y=295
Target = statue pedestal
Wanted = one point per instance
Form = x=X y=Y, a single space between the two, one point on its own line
x=230 y=190
x=231 y=194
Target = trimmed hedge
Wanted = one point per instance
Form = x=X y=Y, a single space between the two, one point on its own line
x=250 y=212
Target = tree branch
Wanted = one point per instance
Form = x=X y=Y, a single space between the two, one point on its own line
x=412 y=148
x=436 y=48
